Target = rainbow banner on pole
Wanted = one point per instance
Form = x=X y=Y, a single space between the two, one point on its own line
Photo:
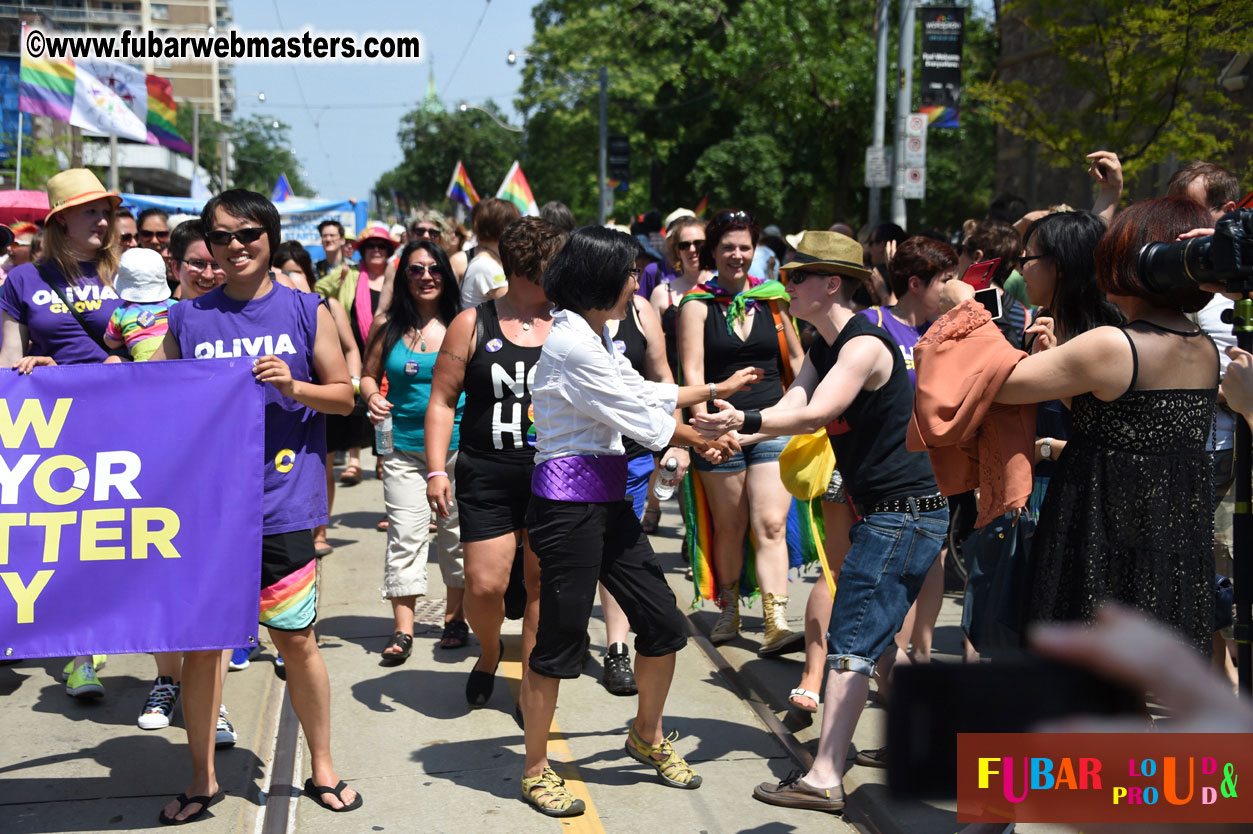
x=102 y=96
x=460 y=189
x=516 y=190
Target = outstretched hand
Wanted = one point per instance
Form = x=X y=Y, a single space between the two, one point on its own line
x=714 y=424
x=1106 y=169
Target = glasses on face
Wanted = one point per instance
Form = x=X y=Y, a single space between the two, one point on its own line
x=372 y=244
x=221 y=237
x=416 y=271
x=685 y=245
x=634 y=275
x=149 y=234
x=196 y=265
x=1026 y=259
x=424 y=231
x=128 y=238
x=799 y=277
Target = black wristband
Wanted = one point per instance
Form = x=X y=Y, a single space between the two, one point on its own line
x=752 y=422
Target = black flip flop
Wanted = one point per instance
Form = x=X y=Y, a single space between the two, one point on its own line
x=184 y=800
x=405 y=641
x=315 y=793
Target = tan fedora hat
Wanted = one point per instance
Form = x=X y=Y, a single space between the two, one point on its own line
x=75 y=187
x=828 y=252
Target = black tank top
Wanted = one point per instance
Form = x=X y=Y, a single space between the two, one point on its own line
x=670 y=329
x=725 y=354
x=496 y=420
x=630 y=342
x=869 y=438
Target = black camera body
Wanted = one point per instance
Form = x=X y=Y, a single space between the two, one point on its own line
x=1225 y=257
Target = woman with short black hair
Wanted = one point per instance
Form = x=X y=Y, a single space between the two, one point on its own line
x=582 y=529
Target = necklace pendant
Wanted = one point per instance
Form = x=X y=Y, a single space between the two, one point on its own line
x=422 y=345
x=526 y=325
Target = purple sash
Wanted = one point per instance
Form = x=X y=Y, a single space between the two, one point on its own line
x=586 y=478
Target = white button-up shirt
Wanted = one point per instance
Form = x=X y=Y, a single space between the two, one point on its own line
x=586 y=396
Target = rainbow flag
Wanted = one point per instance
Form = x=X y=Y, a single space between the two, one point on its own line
x=103 y=96
x=516 y=190
x=460 y=189
x=162 y=116
x=702 y=205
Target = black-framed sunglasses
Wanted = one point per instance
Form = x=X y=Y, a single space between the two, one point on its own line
x=424 y=231
x=800 y=276
x=221 y=237
x=127 y=237
x=685 y=245
x=149 y=234
x=733 y=217
x=416 y=271
x=1026 y=259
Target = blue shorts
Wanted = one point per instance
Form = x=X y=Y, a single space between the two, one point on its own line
x=888 y=559
x=767 y=451
x=639 y=470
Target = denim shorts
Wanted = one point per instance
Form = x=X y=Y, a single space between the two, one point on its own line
x=767 y=451
x=888 y=559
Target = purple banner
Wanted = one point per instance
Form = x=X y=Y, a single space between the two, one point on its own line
x=130 y=508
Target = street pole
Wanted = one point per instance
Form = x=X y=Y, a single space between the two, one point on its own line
x=195 y=141
x=18 y=172
x=225 y=146
x=604 y=147
x=113 y=164
x=880 y=101
x=904 y=102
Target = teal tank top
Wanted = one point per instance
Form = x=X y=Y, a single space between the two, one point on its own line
x=409 y=375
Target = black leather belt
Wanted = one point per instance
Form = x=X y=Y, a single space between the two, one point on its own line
x=916 y=504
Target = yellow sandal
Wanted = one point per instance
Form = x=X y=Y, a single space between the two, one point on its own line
x=547 y=792
x=671 y=767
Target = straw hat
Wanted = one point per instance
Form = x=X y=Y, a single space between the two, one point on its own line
x=828 y=252
x=141 y=276
x=75 y=187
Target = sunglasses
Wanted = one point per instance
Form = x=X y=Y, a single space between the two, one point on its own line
x=734 y=217
x=1026 y=259
x=424 y=231
x=202 y=266
x=373 y=244
x=149 y=234
x=221 y=237
x=685 y=245
x=127 y=238
x=799 y=277
x=416 y=271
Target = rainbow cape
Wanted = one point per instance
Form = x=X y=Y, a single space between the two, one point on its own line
x=804 y=520
x=516 y=190
x=460 y=189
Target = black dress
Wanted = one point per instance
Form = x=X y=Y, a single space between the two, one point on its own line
x=1129 y=515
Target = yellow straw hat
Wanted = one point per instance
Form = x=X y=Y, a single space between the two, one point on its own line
x=75 y=187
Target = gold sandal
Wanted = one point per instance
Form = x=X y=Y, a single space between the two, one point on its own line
x=547 y=793
x=672 y=769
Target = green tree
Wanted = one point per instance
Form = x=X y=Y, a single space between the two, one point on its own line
x=765 y=105
x=1134 y=76
x=262 y=151
x=432 y=140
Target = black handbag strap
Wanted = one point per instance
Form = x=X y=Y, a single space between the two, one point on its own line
x=82 y=322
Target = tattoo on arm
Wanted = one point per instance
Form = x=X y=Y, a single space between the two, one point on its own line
x=453 y=356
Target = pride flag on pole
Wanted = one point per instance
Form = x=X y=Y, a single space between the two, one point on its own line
x=702 y=205
x=516 y=190
x=460 y=189
x=282 y=190
x=103 y=96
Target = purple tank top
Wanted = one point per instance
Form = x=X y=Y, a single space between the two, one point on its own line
x=284 y=323
x=905 y=335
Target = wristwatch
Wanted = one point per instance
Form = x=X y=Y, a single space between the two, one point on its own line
x=1046 y=449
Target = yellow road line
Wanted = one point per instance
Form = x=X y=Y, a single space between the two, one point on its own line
x=562 y=760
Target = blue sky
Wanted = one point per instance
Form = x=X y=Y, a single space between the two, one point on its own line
x=346 y=137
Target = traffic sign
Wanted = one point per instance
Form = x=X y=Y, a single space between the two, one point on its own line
x=916 y=151
x=915 y=183
x=916 y=124
x=878 y=167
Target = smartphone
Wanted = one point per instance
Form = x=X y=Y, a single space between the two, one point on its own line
x=933 y=702
x=991 y=300
x=979 y=275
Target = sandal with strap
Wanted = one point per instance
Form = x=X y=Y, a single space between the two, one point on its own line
x=351 y=476
x=650 y=519
x=315 y=793
x=672 y=769
x=402 y=641
x=798 y=692
x=184 y=800
x=456 y=635
x=547 y=793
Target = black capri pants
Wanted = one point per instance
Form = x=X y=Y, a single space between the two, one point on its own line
x=579 y=544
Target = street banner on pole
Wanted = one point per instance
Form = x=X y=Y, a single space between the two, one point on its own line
x=132 y=507
x=941 y=64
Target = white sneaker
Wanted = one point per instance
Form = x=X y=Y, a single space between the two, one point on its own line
x=226 y=733
x=160 y=705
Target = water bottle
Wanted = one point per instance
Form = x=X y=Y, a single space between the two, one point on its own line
x=383 y=436
x=664 y=487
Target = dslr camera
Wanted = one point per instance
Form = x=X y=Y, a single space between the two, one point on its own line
x=1225 y=257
